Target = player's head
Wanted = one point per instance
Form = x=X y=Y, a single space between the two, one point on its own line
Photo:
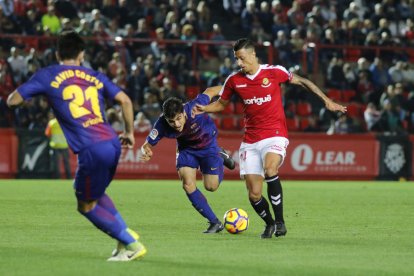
x=70 y=46
x=173 y=110
x=245 y=55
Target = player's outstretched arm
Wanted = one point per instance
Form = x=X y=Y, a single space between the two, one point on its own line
x=146 y=152
x=309 y=85
x=14 y=99
x=213 y=107
x=127 y=137
x=213 y=91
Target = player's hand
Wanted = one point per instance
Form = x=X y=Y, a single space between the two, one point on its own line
x=127 y=140
x=197 y=109
x=332 y=106
x=146 y=154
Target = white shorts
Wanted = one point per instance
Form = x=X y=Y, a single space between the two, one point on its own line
x=252 y=156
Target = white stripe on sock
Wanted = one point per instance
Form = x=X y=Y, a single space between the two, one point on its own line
x=272 y=179
x=275 y=197
x=257 y=203
x=276 y=202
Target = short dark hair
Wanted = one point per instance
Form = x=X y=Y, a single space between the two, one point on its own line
x=243 y=43
x=171 y=107
x=69 y=45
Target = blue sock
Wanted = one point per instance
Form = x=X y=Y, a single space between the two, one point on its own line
x=107 y=223
x=106 y=202
x=201 y=205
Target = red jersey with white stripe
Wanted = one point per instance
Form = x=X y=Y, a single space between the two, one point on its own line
x=263 y=108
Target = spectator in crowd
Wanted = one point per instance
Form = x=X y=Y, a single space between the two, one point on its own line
x=17 y=65
x=248 y=16
x=233 y=9
x=222 y=51
x=390 y=119
x=141 y=123
x=396 y=72
x=372 y=117
x=342 y=125
x=51 y=21
x=379 y=74
x=364 y=88
x=203 y=19
x=151 y=107
x=265 y=16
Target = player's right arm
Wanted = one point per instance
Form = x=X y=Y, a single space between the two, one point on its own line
x=213 y=91
x=127 y=137
x=14 y=99
x=146 y=150
x=214 y=107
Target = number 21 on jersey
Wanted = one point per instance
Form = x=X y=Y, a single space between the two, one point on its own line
x=77 y=98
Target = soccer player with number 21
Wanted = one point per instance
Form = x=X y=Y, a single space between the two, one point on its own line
x=76 y=95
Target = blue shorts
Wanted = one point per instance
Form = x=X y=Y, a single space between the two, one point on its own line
x=208 y=160
x=96 y=168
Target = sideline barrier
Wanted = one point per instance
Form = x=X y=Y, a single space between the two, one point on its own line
x=309 y=156
x=8 y=153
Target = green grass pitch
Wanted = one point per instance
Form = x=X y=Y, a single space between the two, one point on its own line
x=334 y=228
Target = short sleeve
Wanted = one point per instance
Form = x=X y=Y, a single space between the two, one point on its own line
x=227 y=90
x=33 y=87
x=157 y=133
x=282 y=74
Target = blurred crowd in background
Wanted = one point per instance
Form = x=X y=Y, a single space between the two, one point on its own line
x=145 y=48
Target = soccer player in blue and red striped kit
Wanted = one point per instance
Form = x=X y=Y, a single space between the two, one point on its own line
x=196 y=148
x=76 y=95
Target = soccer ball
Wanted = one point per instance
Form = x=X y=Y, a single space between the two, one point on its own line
x=236 y=220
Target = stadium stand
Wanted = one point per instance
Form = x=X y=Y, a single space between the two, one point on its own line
x=354 y=56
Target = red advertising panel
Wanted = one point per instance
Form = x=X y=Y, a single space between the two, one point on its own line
x=8 y=150
x=324 y=157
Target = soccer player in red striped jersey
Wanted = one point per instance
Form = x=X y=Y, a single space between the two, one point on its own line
x=266 y=138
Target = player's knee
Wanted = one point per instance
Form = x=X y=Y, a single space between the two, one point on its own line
x=271 y=171
x=254 y=197
x=189 y=186
x=211 y=187
x=85 y=207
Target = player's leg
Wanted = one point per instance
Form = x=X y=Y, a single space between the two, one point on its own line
x=251 y=169
x=196 y=197
x=254 y=184
x=211 y=166
x=227 y=160
x=274 y=151
x=96 y=168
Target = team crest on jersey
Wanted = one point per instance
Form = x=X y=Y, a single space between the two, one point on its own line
x=193 y=126
x=266 y=83
x=153 y=134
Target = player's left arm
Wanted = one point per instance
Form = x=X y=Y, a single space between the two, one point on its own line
x=213 y=91
x=127 y=137
x=310 y=86
x=14 y=99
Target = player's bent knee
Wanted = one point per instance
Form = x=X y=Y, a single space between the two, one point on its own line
x=211 y=187
x=254 y=197
x=189 y=187
x=271 y=171
x=86 y=206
